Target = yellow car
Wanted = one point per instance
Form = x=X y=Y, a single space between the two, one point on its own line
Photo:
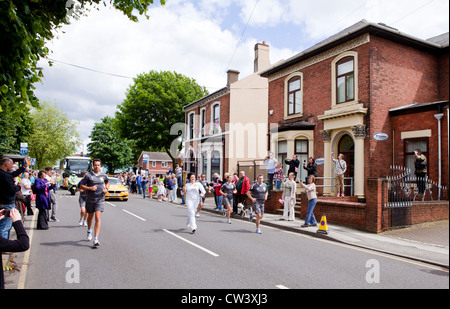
x=116 y=190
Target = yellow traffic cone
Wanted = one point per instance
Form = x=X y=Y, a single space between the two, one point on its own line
x=323 y=227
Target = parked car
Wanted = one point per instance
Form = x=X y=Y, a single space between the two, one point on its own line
x=116 y=190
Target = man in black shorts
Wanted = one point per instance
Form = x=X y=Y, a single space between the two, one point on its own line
x=258 y=194
x=96 y=184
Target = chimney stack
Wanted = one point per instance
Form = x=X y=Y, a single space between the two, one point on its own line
x=233 y=76
x=262 y=59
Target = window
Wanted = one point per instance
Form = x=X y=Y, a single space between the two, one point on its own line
x=345 y=81
x=154 y=164
x=301 y=150
x=191 y=125
x=202 y=122
x=282 y=155
x=205 y=163
x=164 y=164
x=294 y=96
x=215 y=163
x=410 y=146
x=215 y=118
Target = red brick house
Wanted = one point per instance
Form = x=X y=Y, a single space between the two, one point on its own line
x=158 y=163
x=366 y=79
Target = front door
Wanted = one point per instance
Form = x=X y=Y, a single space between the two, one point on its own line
x=347 y=148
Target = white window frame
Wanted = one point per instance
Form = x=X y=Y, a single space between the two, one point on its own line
x=202 y=130
x=286 y=95
x=355 y=100
x=213 y=125
x=189 y=126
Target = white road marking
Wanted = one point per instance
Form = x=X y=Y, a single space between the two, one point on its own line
x=140 y=218
x=110 y=204
x=282 y=287
x=192 y=244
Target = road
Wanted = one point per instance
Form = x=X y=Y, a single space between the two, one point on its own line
x=145 y=245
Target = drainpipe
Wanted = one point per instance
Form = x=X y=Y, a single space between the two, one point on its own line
x=439 y=117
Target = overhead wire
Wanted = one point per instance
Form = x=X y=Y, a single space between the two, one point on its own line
x=242 y=34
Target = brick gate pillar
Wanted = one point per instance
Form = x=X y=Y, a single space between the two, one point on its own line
x=374 y=204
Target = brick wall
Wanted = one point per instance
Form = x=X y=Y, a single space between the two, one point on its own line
x=369 y=216
x=399 y=76
x=423 y=119
x=429 y=211
x=343 y=211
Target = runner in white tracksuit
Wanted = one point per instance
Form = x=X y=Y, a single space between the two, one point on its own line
x=193 y=191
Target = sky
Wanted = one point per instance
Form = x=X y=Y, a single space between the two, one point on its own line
x=97 y=56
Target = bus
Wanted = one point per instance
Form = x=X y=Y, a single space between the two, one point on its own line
x=75 y=165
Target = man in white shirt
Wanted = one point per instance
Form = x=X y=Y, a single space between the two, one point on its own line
x=271 y=166
x=25 y=187
x=339 y=172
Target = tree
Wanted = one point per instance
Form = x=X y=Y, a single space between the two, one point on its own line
x=107 y=146
x=152 y=105
x=25 y=26
x=55 y=135
x=15 y=128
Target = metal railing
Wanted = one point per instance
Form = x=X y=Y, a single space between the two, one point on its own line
x=400 y=189
x=332 y=185
x=404 y=188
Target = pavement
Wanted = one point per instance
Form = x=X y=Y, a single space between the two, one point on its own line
x=426 y=242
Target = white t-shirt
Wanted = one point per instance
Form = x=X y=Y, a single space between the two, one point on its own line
x=193 y=191
x=25 y=182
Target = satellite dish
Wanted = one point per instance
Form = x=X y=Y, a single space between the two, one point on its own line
x=380 y=136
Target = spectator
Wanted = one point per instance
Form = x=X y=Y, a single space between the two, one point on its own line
x=420 y=166
x=311 y=168
x=42 y=201
x=310 y=220
x=144 y=186
x=341 y=167
x=170 y=187
x=243 y=185
x=138 y=183
x=8 y=191
x=290 y=187
x=293 y=165
x=278 y=176
x=21 y=244
x=51 y=180
x=271 y=165
x=25 y=185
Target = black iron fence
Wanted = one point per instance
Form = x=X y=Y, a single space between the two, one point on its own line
x=403 y=188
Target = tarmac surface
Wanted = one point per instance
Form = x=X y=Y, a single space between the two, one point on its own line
x=426 y=242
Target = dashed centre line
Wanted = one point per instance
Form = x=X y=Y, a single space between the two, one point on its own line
x=192 y=244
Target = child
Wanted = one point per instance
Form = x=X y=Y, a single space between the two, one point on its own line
x=161 y=191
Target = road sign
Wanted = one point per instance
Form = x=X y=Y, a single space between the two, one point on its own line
x=23 y=149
